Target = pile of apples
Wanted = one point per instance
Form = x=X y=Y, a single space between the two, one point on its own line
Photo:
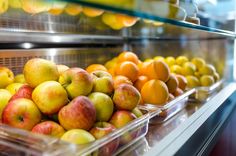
x=73 y=104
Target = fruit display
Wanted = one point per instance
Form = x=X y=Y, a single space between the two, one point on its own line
x=73 y=104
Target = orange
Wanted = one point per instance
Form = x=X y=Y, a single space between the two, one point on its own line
x=128 y=56
x=128 y=69
x=94 y=67
x=111 y=63
x=140 y=82
x=178 y=92
x=127 y=21
x=73 y=9
x=172 y=83
x=171 y=97
x=91 y=12
x=112 y=71
x=141 y=67
x=156 y=70
x=155 y=92
x=182 y=81
x=118 y=80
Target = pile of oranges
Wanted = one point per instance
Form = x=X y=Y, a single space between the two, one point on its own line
x=152 y=79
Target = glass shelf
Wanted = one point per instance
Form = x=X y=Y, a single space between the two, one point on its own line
x=174 y=12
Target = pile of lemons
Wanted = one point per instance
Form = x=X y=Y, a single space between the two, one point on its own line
x=197 y=71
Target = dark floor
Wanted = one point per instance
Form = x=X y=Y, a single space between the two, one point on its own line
x=226 y=145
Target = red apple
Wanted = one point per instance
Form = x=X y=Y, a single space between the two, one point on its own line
x=121 y=118
x=102 y=82
x=21 y=113
x=14 y=87
x=100 y=130
x=103 y=104
x=49 y=128
x=80 y=113
x=77 y=82
x=25 y=91
x=50 y=97
x=126 y=97
x=38 y=70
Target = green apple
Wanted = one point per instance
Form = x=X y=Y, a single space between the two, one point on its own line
x=50 y=97
x=103 y=105
x=14 y=87
x=39 y=70
x=6 y=77
x=21 y=113
x=137 y=112
x=19 y=78
x=102 y=82
x=5 y=96
x=78 y=136
x=77 y=82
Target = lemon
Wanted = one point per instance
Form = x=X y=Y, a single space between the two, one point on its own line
x=207 y=69
x=159 y=58
x=170 y=60
x=192 y=81
x=111 y=63
x=148 y=60
x=188 y=68
x=3 y=6
x=198 y=62
x=216 y=76
x=176 y=69
x=15 y=3
x=197 y=74
x=180 y=60
x=207 y=80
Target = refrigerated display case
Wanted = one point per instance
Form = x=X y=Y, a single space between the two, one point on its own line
x=188 y=125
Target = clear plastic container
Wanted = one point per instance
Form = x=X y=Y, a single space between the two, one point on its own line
x=205 y=93
x=20 y=142
x=169 y=109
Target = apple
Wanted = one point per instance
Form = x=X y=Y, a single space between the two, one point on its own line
x=103 y=105
x=120 y=79
x=78 y=136
x=39 y=70
x=61 y=68
x=5 y=96
x=6 y=77
x=137 y=112
x=14 y=87
x=121 y=118
x=100 y=130
x=77 y=82
x=21 y=113
x=49 y=128
x=102 y=82
x=24 y=91
x=80 y=113
x=20 y=78
x=126 y=97
x=50 y=97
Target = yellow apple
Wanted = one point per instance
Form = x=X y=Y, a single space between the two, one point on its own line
x=6 y=77
x=3 y=6
x=39 y=70
x=20 y=78
x=15 y=3
x=14 y=87
x=5 y=96
x=57 y=8
x=61 y=68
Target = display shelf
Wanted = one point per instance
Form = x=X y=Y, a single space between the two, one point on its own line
x=154 y=10
x=194 y=126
